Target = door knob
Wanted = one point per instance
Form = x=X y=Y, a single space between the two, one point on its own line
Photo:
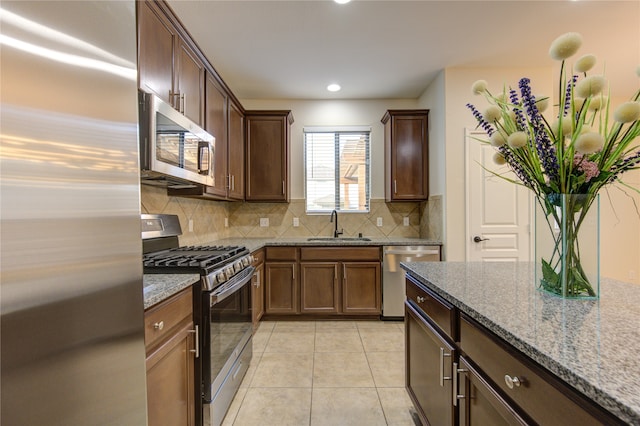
x=477 y=239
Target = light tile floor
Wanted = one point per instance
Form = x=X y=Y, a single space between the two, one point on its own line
x=324 y=373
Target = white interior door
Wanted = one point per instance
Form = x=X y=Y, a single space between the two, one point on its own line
x=498 y=212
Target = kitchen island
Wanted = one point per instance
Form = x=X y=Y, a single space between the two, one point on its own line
x=591 y=345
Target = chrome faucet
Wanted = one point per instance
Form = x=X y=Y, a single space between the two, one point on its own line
x=335 y=229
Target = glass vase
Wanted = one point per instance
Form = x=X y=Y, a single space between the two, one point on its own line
x=567 y=245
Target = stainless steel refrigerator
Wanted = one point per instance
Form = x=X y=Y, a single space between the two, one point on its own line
x=71 y=326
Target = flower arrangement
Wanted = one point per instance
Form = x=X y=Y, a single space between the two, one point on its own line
x=581 y=151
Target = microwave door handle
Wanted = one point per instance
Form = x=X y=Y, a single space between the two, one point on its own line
x=204 y=151
x=211 y=152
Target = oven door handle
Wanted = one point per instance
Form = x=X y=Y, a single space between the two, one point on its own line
x=229 y=287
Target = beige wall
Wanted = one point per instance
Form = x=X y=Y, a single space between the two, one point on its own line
x=208 y=218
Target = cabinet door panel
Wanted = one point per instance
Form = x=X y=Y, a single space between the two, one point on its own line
x=236 y=152
x=428 y=370
x=265 y=156
x=406 y=143
x=170 y=381
x=257 y=294
x=319 y=290
x=216 y=124
x=481 y=404
x=410 y=154
x=190 y=84
x=281 y=292
x=361 y=292
x=156 y=38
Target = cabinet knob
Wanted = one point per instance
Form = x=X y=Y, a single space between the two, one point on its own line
x=512 y=382
x=159 y=325
x=420 y=299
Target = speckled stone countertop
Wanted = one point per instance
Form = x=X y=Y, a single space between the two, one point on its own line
x=592 y=345
x=158 y=287
x=256 y=243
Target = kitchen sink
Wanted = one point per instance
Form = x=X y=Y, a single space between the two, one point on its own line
x=338 y=239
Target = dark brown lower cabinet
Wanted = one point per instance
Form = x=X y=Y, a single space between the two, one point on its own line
x=170 y=387
x=281 y=288
x=319 y=287
x=330 y=281
x=361 y=293
x=429 y=367
x=479 y=403
x=171 y=350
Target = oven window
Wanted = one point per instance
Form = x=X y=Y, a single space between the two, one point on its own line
x=229 y=322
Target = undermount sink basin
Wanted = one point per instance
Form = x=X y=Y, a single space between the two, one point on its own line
x=338 y=239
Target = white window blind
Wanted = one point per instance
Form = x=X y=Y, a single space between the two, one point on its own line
x=337 y=171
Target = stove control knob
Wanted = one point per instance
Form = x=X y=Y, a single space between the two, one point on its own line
x=221 y=277
x=246 y=261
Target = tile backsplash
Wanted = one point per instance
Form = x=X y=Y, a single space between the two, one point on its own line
x=244 y=219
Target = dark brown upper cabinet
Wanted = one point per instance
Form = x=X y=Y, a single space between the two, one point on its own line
x=406 y=142
x=168 y=64
x=267 y=155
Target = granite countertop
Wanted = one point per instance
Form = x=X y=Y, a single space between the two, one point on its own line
x=158 y=287
x=254 y=244
x=592 y=345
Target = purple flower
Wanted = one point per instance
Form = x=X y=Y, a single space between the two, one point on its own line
x=516 y=167
x=627 y=164
x=544 y=146
x=481 y=121
x=520 y=119
x=567 y=98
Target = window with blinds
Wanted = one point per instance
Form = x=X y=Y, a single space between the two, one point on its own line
x=337 y=171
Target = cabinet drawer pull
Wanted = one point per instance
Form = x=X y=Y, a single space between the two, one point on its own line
x=420 y=299
x=512 y=382
x=456 y=370
x=395 y=186
x=196 y=349
x=158 y=325
x=442 y=376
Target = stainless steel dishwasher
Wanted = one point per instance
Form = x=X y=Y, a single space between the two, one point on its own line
x=393 y=282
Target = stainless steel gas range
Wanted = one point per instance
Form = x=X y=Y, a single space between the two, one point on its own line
x=222 y=308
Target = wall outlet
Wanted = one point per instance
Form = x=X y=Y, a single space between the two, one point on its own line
x=296 y=221
x=405 y=221
x=226 y=222
x=190 y=225
x=264 y=222
x=379 y=221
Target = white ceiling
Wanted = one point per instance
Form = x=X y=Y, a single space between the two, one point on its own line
x=393 y=49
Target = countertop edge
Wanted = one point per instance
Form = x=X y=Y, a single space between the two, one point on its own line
x=159 y=287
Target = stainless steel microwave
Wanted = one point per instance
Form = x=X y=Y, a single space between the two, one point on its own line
x=174 y=150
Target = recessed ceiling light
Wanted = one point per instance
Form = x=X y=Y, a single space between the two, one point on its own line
x=342 y=1
x=333 y=87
